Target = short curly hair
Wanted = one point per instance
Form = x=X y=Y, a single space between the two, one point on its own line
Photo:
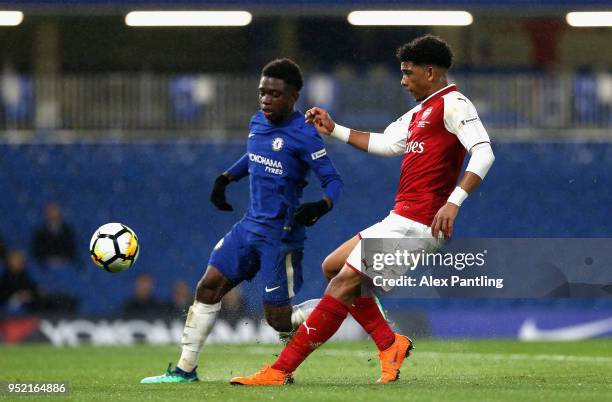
x=426 y=49
x=286 y=70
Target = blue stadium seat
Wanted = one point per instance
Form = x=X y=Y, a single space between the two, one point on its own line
x=161 y=191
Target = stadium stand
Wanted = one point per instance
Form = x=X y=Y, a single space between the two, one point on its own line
x=161 y=190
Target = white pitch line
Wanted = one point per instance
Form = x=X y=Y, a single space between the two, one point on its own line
x=451 y=355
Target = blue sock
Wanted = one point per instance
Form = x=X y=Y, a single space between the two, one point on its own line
x=185 y=374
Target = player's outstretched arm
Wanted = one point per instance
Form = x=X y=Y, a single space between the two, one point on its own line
x=324 y=124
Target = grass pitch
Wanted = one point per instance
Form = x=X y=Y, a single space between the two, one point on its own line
x=437 y=371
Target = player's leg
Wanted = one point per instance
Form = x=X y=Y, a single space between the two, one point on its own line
x=202 y=316
x=199 y=323
x=393 y=348
x=227 y=266
x=322 y=323
x=287 y=319
x=331 y=266
x=365 y=309
x=334 y=262
x=279 y=317
x=300 y=312
x=281 y=272
x=341 y=295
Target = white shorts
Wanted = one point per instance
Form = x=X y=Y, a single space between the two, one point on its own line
x=393 y=226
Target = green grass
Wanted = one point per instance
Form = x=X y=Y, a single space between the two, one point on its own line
x=438 y=371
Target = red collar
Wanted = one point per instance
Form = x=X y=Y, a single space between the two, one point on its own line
x=440 y=93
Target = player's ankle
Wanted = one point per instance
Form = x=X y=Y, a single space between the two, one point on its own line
x=185 y=373
x=278 y=367
x=186 y=366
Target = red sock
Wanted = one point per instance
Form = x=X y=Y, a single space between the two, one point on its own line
x=366 y=312
x=322 y=323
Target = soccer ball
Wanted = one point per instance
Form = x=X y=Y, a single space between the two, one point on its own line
x=114 y=247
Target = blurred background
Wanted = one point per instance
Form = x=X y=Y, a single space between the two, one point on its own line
x=103 y=120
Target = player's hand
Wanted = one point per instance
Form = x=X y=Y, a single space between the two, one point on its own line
x=444 y=220
x=217 y=196
x=321 y=120
x=309 y=213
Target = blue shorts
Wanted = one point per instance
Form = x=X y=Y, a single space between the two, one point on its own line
x=241 y=254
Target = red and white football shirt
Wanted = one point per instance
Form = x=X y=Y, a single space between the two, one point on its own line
x=433 y=137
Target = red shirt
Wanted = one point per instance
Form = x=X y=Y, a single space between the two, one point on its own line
x=433 y=138
x=432 y=162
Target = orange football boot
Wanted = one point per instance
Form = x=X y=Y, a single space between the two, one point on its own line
x=391 y=359
x=265 y=376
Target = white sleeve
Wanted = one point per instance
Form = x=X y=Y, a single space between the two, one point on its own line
x=393 y=141
x=481 y=159
x=461 y=119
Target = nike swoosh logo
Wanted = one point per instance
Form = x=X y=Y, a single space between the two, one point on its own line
x=272 y=289
x=529 y=331
x=251 y=135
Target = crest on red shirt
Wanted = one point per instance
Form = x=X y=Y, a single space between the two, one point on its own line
x=426 y=113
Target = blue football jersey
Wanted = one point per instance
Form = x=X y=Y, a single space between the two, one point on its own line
x=278 y=161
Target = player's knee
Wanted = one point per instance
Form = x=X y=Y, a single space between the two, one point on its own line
x=207 y=293
x=330 y=267
x=345 y=286
x=212 y=287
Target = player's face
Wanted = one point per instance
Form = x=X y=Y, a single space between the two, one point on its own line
x=276 y=99
x=417 y=79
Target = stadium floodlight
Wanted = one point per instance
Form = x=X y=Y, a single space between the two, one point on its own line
x=457 y=18
x=187 y=18
x=10 y=18
x=589 y=19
